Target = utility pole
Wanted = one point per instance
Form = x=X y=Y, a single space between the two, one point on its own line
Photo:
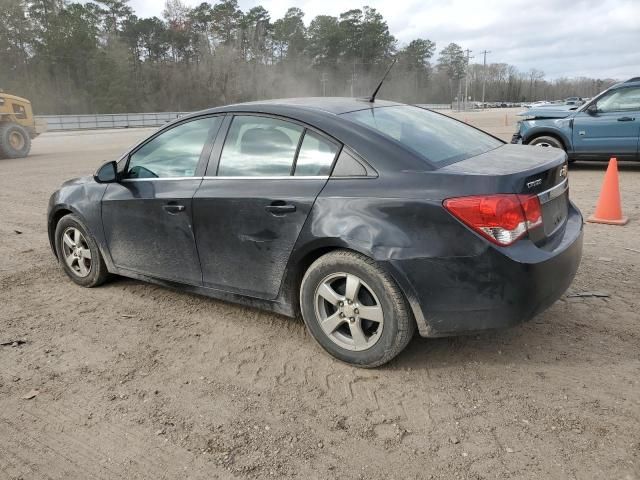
x=354 y=77
x=466 y=80
x=484 y=73
x=323 y=81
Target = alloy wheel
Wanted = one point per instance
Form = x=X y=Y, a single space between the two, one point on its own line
x=348 y=311
x=77 y=254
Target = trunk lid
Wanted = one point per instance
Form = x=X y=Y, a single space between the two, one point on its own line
x=523 y=169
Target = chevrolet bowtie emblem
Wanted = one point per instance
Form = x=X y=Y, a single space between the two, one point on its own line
x=563 y=171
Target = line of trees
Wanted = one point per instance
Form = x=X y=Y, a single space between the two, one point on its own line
x=99 y=57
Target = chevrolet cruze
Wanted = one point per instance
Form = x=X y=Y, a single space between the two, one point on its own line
x=370 y=219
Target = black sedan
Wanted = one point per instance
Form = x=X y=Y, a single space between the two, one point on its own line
x=371 y=219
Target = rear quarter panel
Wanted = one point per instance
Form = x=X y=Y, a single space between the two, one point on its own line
x=390 y=224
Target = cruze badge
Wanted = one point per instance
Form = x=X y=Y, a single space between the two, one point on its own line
x=534 y=183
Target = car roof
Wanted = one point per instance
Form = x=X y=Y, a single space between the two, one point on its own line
x=632 y=82
x=323 y=114
x=333 y=105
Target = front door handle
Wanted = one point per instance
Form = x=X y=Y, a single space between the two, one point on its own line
x=280 y=208
x=173 y=208
x=626 y=119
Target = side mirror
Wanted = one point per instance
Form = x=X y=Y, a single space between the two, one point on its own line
x=592 y=109
x=107 y=173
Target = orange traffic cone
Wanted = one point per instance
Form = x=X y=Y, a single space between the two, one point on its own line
x=608 y=209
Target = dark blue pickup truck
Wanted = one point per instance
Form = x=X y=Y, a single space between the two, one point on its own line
x=607 y=126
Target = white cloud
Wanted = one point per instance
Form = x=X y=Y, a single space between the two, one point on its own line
x=597 y=38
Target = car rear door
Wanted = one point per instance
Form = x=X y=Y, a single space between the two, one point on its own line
x=613 y=130
x=260 y=185
x=147 y=216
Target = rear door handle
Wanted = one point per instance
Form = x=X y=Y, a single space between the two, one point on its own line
x=626 y=119
x=280 y=208
x=173 y=208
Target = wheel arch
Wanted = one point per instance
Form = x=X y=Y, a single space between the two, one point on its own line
x=59 y=212
x=532 y=135
x=290 y=288
x=297 y=266
x=54 y=218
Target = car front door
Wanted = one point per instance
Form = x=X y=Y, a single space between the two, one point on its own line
x=254 y=200
x=147 y=215
x=611 y=129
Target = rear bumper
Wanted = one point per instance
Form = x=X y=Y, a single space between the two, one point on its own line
x=498 y=288
x=516 y=138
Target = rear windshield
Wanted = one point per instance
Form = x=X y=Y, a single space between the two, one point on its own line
x=437 y=138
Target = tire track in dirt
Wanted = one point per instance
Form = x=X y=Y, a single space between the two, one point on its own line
x=225 y=373
x=67 y=431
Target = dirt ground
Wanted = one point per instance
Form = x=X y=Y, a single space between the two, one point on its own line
x=138 y=381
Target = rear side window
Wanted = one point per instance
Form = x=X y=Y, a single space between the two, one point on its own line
x=316 y=155
x=259 y=146
x=437 y=138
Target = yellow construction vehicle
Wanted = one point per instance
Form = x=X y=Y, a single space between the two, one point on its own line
x=17 y=126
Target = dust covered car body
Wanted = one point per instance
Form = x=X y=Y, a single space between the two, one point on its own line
x=372 y=219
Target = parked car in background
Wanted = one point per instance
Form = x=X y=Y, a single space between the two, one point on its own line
x=372 y=219
x=535 y=104
x=574 y=101
x=608 y=125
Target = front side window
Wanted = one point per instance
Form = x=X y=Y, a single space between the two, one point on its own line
x=259 y=147
x=620 y=100
x=316 y=155
x=437 y=138
x=174 y=153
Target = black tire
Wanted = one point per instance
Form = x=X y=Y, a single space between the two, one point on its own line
x=15 y=141
x=546 y=141
x=398 y=325
x=97 y=271
x=549 y=141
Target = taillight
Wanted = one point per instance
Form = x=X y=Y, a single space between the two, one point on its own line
x=503 y=219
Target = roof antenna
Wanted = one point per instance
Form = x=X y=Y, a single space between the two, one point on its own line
x=375 y=92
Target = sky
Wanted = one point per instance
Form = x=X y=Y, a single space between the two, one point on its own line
x=563 y=38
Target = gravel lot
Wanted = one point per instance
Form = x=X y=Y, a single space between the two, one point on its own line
x=137 y=381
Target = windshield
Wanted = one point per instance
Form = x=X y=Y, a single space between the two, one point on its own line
x=437 y=138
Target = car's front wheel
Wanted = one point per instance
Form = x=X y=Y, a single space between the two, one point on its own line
x=355 y=310
x=78 y=253
x=547 y=141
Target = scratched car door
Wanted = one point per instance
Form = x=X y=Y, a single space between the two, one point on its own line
x=254 y=201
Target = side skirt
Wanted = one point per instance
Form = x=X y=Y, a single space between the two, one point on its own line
x=275 y=306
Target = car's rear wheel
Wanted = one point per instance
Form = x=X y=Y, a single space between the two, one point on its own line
x=355 y=310
x=78 y=253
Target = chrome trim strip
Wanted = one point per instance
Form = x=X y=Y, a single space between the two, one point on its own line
x=553 y=192
x=275 y=177
x=281 y=177
x=159 y=179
